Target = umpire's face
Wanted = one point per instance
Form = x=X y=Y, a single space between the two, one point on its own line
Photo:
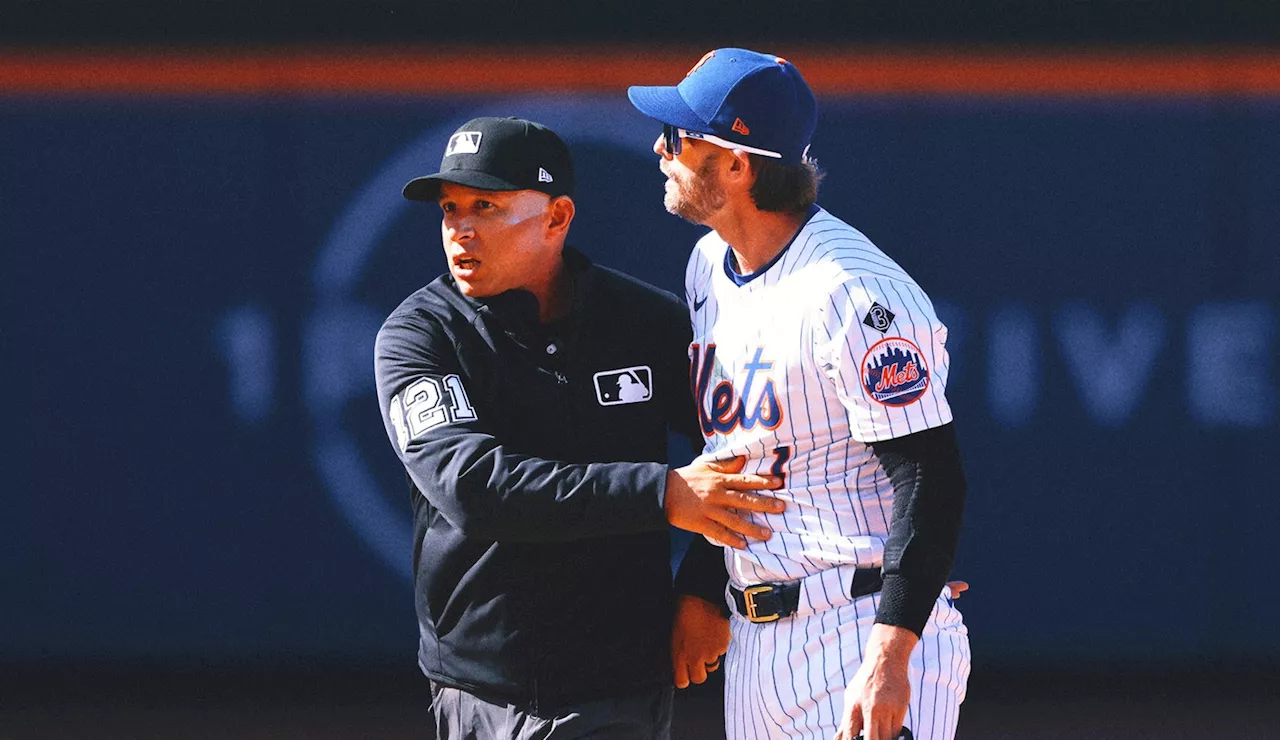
x=500 y=240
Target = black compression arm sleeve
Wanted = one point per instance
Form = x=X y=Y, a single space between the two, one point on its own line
x=928 y=501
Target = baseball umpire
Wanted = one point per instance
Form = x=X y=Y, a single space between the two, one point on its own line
x=821 y=360
x=529 y=394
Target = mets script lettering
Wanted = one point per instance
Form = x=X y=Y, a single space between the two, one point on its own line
x=722 y=408
x=891 y=377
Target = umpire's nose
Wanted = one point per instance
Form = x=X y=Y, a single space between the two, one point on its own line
x=457 y=228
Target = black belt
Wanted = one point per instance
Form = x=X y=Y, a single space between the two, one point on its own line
x=769 y=601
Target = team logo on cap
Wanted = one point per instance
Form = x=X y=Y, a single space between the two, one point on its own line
x=705 y=58
x=463 y=142
x=894 y=372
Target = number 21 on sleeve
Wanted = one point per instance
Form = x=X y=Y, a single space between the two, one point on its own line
x=422 y=407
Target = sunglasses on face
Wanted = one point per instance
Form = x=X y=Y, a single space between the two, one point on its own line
x=672 y=136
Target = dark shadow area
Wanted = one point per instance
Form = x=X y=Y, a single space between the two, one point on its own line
x=63 y=22
x=342 y=700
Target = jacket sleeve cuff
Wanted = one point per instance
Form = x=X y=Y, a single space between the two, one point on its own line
x=640 y=512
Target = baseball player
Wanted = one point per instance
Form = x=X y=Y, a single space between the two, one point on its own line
x=822 y=361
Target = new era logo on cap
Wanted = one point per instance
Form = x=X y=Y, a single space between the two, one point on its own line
x=463 y=142
x=544 y=176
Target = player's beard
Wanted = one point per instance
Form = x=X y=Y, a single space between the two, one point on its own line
x=697 y=195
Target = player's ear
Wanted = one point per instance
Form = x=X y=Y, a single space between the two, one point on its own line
x=741 y=169
x=560 y=211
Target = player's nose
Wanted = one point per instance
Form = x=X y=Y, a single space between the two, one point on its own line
x=660 y=147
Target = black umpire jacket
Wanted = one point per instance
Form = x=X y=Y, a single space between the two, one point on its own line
x=535 y=456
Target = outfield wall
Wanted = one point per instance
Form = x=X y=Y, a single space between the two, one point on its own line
x=198 y=248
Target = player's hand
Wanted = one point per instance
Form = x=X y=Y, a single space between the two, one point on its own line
x=956 y=588
x=699 y=640
x=702 y=497
x=875 y=702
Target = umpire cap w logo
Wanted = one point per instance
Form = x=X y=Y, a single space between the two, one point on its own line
x=625 y=385
x=463 y=142
x=500 y=154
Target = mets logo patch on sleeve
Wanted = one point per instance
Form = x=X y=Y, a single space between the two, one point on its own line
x=894 y=372
x=626 y=385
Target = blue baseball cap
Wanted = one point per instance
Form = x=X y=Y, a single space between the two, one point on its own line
x=758 y=101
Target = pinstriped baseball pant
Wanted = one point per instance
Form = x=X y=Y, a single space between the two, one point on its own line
x=786 y=679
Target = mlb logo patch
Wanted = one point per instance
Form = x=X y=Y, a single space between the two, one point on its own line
x=463 y=142
x=626 y=385
x=894 y=372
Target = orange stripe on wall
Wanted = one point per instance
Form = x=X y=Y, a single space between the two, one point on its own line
x=597 y=69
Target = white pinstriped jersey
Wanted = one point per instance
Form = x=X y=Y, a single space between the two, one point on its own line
x=828 y=348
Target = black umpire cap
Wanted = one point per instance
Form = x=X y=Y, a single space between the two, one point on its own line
x=500 y=154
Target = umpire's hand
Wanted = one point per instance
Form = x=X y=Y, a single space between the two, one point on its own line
x=699 y=639
x=703 y=495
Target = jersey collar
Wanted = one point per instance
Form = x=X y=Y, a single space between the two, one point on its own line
x=741 y=280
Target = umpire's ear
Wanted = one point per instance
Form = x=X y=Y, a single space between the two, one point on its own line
x=561 y=211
